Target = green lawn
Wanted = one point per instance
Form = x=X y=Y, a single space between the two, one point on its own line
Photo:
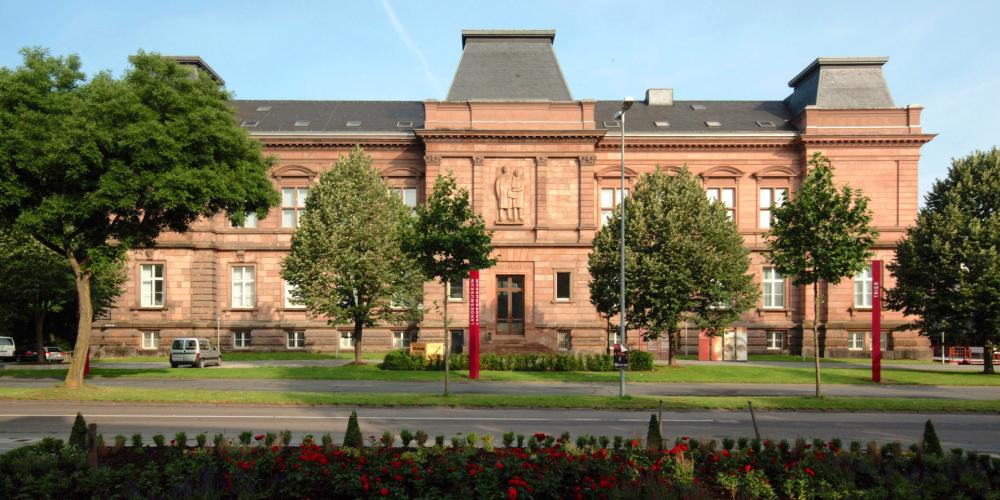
x=132 y=395
x=253 y=356
x=728 y=373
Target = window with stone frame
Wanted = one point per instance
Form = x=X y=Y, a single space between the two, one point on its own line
x=151 y=285
x=564 y=340
x=406 y=194
x=151 y=340
x=726 y=196
x=775 y=340
x=249 y=221
x=402 y=340
x=346 y=340
x=456 y=291
x=564 y=286
x=243 y=291
x=241 y=339
x=296 y=339
x=773 y=288
x=883 y=341
x=768 y=198
x=856 y=341
x=610 y=198
x=290 y=302
x=293 y=203
x=863 y=288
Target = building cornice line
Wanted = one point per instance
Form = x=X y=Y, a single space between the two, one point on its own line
x=591 y=136
x=867 y=140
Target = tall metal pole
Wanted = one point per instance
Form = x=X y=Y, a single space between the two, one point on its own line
x=621 y=370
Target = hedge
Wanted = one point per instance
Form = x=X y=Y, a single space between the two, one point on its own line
x=543 y=362
x=541 y=467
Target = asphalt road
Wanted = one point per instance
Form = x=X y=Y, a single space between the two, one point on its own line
x=547 y=388
x=25 y=422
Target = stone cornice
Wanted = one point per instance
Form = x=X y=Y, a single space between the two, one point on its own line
x=694 y=142
x=534 y=136
x=315 y=142
x=867 y=140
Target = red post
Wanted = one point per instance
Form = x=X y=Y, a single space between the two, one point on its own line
x=876 y=321
x=86 y=364
x=474 y=324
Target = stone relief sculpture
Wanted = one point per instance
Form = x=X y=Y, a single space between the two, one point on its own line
x=509 y=190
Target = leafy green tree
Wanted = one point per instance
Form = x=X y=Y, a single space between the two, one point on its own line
x=35 y=282
x=822 y=234
x=449 y=241
x=683 y=259
x=92 y=168
x=947 y=268
x=347 y=261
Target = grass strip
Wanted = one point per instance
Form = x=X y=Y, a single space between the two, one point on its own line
x=135 y=395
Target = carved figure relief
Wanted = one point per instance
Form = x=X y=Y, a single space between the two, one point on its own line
x=509 y=188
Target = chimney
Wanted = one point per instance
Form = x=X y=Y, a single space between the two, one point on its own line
x=659 y=97
x=841 y=83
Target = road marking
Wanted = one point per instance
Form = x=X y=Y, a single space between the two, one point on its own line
x=334 y=417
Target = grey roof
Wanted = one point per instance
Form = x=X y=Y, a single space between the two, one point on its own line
x=733 y=117
x=330 y=116
x=508 y=65
x=841 y=83
x=198 y=64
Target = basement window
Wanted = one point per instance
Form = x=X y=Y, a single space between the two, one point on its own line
x=301 y=123
x=354 y=123
x=263 y=108
x=765 y=123
x=698 y=107
x=404 y=123
x=611 y=124
x=661 y=123
x=249 y=123
x=713 y=124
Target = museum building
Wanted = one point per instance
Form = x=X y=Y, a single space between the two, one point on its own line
x=542 y=169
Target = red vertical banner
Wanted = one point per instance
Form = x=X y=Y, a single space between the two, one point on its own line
x=474 y=324
x=876 y=321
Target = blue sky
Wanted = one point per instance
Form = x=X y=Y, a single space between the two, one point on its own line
x=942 y=54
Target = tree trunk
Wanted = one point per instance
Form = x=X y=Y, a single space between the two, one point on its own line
x=85 y=313
x=39 y=320
x=671 y=349
x=815 y=332
x=988 y=350
x=358 y=329
x=447 y=339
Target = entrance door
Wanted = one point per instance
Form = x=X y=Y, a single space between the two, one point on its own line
x=457 y=341
x=510 y=305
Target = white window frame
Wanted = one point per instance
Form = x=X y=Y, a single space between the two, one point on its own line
x=150 y=340
x=293 y=203
x=295 y=339
x=772 y=288
x=402 y=339
x=250 y=221
x=555 y=286
x=407 y=195
x=242 y=339
x=568 y=344
x=768 y=199
x=347 y=340
x=461 y=290
x=774 y=340
x=883 y=340
x=243 y=290
x=614 y=337
x=289 y=301
x=856 y=341
x=718 y=194
x=610 y=197
x=863 y=288
x=148 y=285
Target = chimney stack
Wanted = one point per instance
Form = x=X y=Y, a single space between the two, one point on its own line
x=659 y=97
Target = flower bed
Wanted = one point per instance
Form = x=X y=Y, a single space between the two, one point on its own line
x=540 y=467
x=402 y=360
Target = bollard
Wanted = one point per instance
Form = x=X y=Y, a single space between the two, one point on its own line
x=659 y=417
x=756 y=432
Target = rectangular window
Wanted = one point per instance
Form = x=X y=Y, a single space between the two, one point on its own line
x=456 y=291
x=726 y=196
x=775 y=340
x=241 y=340
x=346 y=340
x=856 y=340
x=293 y=201
x=614 y=337
x=774 y=289
x=402 y=340
x=563 y=286
x=151 y=277
x=610 y=198
x=296 y=340
x=243 y=287
x=249 y=221
x=770 y=198
x=151 y=340
x=883 y=341
x=564 y=340
x=408 y=195
x=290 y=302
x=863 y=288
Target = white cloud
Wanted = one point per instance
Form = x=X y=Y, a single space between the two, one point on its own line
x=405 y=37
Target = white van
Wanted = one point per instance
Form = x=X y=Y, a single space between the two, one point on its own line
x=195 y=352
x=6 y=349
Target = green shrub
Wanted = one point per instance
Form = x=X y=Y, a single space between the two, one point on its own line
x=439 y=441
x=508 y=439
x=201 y=439
x=78 y=435
x=540 y=362
x=421 y=438
x=286 y=438
x=640 y=361
x=406 y=437
x=245 y=437
x=653 y=440
x=180 y=439
x=931 y=444
x=353 y=437
x=159 y=440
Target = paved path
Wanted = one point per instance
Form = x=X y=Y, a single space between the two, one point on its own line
x=301 y=363
x=859 y=364
x=26 y=422
x=547 y=388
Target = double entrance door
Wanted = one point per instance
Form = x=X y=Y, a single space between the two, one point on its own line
x=510 y=305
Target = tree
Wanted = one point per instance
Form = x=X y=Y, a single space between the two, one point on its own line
x=449 y=241
x=947 y=267
x=683 y=259
x=347 y=261
x=35 y=281
x=93 y=168
x=352 y=437
x=822 y=234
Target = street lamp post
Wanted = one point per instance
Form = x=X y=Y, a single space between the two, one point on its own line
x=620 y=117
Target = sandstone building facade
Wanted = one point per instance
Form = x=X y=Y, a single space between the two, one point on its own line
x=543 y=170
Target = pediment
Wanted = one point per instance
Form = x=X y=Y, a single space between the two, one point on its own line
x=722 y=171
x=615 y=172
x=776 y=172
x=293 y=171
x=402 y=171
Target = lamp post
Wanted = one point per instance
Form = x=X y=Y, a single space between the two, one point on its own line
x=620 y=117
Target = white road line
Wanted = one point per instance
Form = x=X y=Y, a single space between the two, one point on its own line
x=333 y=417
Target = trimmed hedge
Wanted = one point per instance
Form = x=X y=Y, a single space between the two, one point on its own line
x=543 y=362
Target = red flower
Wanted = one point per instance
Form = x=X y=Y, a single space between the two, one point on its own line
x=259 y=437
x=810 y=472
x=499 y=464
x=726 y=453
x=635 y=443
x=384 y=491
x=512 y=493
x=747 y=468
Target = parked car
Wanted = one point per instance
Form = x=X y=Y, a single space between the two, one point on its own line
x=195 y=352
x=26 y=355
x=53 y=354
x=6 y=349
